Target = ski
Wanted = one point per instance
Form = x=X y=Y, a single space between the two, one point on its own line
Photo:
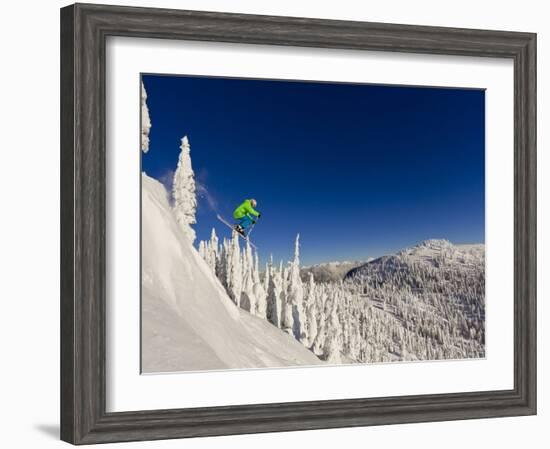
x=229 y=225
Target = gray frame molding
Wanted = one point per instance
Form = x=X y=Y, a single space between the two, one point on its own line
x=84 y=29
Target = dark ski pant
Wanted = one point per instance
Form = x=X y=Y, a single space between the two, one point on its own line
x=245 y=222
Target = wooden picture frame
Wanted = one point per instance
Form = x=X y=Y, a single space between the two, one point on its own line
x=84 y=29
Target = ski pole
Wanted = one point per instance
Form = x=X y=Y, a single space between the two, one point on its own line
x=251 y=229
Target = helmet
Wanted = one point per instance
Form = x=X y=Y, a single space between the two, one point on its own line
x=253 y=202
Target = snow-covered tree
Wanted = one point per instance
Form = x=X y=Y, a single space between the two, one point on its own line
x=211 y=251
x=332 y=351
x=259 y=290
x=261 y=304
x=319 y=340
x=203 y=249
x=275 y=295
x=235 y=271
x=248 y=299
x=183 y=191
x=311 y=312
x=267 y=275
x=296 y=295
x=145 y=121
x=223 y=263
x=287 y=317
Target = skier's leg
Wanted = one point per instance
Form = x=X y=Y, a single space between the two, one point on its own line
x=242 y=224
x=245 y=222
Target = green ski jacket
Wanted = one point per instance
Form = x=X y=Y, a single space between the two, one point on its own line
x=245 y=209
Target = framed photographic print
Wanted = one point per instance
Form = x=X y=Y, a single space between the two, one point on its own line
x=268 y=223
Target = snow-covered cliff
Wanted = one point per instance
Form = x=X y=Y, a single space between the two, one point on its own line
x=188 y=320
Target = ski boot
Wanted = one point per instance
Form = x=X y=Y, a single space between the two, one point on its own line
x=238 y=228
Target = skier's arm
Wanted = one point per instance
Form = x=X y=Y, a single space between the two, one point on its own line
x=251 y=210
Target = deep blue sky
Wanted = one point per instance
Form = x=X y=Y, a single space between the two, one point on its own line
x=358 y=170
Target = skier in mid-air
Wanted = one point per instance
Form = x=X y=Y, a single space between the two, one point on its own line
x=245 y=215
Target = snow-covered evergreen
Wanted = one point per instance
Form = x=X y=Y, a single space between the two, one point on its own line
x=311 y=313
x=275 y=295
x=295 y=297
x=260 y=292
x=235 y=277
x=183 y=191
x=248 y=298
x=145 y=121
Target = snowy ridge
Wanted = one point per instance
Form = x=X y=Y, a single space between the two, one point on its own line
x=433 y=251
x=440 y=254
x=436 y=290
x=188 y=320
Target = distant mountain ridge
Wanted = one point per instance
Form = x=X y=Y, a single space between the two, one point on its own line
x=329 y=271
x=431 y=251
